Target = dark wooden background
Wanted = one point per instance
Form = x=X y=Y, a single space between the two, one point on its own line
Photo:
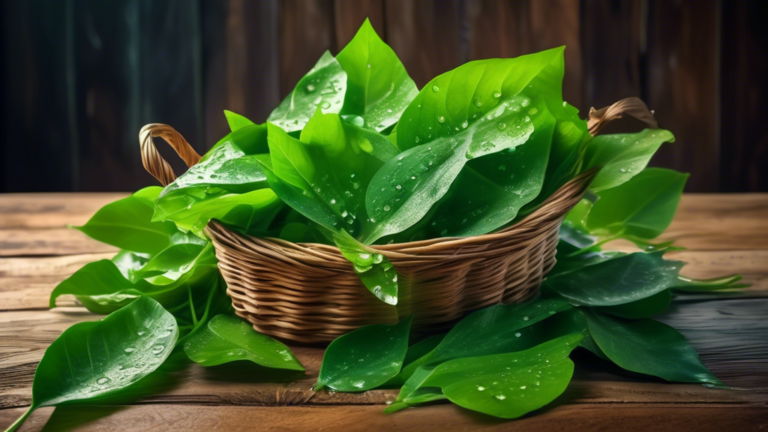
x=80 y=77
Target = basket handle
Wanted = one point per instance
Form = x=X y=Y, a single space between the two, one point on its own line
x=633 y=107
x=152 y=160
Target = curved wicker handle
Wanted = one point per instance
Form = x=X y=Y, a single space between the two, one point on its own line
x=150 y=157
x=632 y=107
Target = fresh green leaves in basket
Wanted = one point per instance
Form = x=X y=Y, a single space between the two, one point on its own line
x=225 y=339
x=93 y=360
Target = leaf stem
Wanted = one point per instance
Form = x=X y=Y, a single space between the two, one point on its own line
x=17 y=424
x=192 y=306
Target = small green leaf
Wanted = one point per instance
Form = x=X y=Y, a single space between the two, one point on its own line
x=374 y=269
x=508 y=385
x=365 y=358
x=616 y=281
x=621 y=156
x=225 y=339
x=322 y=87
x=378 y=87
x=92 y=360
x=648 y=347
x=127 y=224
x=723 y=283
x=237 y=121
x=643 y=206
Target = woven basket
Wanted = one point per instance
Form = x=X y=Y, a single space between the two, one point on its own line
x=309 y=292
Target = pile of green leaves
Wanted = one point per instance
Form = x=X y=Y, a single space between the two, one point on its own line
x=357 y=156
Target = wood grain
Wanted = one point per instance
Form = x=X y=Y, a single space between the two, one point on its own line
x=604 y=417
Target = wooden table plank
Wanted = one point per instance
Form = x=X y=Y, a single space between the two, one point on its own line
x=603 y=417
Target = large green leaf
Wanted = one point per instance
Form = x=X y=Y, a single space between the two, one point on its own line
x=648 y=347
x=103 y=287
x=621 y=156
x=365 y=358
x=490 y=191
x=225 y=339
x=642 y=207
x=322 y=87
x=331 y=166
x=493 y=330
x=128 y=224
x=378 y=87
x=643 y=308
x=93 y=360
x=192 y=208
x=615 y=281
x=508 y=385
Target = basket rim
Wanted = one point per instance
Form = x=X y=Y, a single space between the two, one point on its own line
x=420 y=249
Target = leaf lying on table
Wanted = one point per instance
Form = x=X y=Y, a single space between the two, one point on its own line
x=365 y=358
x=508 y=385
x=92 y=360
x=127 y=224
x=225 y=339
x=648 y=347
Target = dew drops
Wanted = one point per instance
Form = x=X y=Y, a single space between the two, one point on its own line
x=464 y=124
x=496 y=94
x=525 y=318
x=502 y=126
x=141 y=333
x=525 y=102
x=310 y=88
x=130 y=350
x=522 y=387
x=386 y=208
x=518 y=334
x=333 y=201
x=623 y=170
x=102 y=380
x=369 y=65
x=441 y=119
x=565 y=104
x=230 y=353
x=165 y=333
x=478 y=103
x=325 y=105
x=157 y=349
x=413 y=177
x=533 y=111
x=500 y=397
x=435 y=88
x=480 y=388
x=398 y=187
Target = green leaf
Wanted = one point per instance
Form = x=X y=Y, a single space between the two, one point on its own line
x=170 y=264
x=493 y=330
x=648 y=347
x=422 y=348
x=225 y=339
x=491 y=190
x=365 y=358
x=374 y=269
x=192 y=208
x=249 y=138
x=127 y=224
x=129 y=264
x=644 y=308
x=642 y=207
x=322 y=87
x=103 y=288
x=615 y=281
x=93 y=360
x=378 y=87
x=621 y=156
x=508 y=385
x=225 y=167
x=237 y=121
x=331 y=166
x=723 y=283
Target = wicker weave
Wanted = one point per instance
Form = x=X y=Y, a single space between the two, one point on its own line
x=309 y=292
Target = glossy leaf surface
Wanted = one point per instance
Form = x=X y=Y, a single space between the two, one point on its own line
x=94 y=359
x=621 y=156
x=225 y=339
x=365 y=358
x=648 y=347
x=643 y=206
x=616 y=281
x=127 y=224
x=378 y=87
x=374 y=269
x=322 y=87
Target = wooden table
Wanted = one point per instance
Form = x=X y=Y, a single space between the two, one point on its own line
x=723 y=233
